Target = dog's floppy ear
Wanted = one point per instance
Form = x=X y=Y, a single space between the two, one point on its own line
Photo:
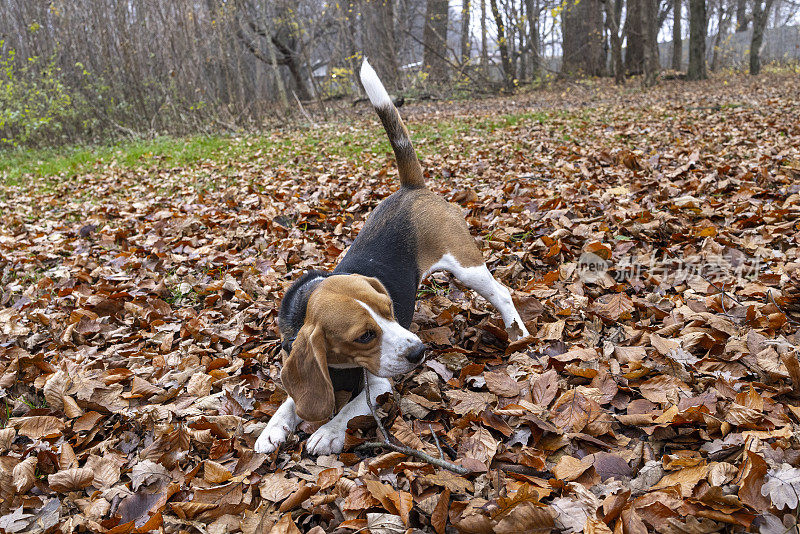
x=376 y=284
x=305 y=376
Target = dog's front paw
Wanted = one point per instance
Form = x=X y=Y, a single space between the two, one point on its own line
x=272 y=436
x=328 y=439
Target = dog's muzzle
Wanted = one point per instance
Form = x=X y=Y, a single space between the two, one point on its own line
x=416 y=354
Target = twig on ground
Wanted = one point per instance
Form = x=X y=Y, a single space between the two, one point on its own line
x=436 y=440
x=772 y=299
x=402 y=449
x=226 y=125
x=408 y=451
x=533 y=176
x=303 y=110
x=721 y=290
x=378 y=422
x=522 y=470
x=715 y=286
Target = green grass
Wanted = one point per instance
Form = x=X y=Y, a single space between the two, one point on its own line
x=19 y=166
x=15 y=164
x=432 y=287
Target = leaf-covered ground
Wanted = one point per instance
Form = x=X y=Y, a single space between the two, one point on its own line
x=651 y=239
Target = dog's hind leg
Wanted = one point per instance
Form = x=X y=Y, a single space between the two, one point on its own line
x=479 y=279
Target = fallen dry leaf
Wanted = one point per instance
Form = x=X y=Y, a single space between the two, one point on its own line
x=140 y=352
x=70 y=479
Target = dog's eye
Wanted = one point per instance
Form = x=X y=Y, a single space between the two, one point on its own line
x=366 y=337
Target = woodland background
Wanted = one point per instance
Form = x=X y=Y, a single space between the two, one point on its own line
x=141 y=273
x=86 y=70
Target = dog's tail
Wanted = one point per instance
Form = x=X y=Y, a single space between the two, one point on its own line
x=407 y=162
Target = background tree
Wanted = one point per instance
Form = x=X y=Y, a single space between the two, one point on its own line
x=742 y=20
x=502 y=44
x=634 y=35
x=613 y=12
x=273 y=62
x=649 y=14
x=532 y=8
x=465 y=32
x=87 y=70
x=379 y=42
x=760 y=17
x=724 y=14
x=677 y=40
x=582 y=27
x=484 y=38
x=697 y=40
x=435 y=40
x=283 y=39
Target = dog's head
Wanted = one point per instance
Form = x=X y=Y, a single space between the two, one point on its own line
x=349 y=322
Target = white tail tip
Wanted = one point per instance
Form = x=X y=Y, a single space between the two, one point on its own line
x=372 y=85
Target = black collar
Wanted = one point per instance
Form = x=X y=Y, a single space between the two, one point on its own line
x=351 y=380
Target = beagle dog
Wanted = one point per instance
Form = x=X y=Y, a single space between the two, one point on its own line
x=335 y=323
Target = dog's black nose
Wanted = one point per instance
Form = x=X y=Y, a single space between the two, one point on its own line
x=415 y=356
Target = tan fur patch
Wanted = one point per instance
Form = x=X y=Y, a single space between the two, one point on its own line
x=333 y=307
x=408 y=165
x=441 y=229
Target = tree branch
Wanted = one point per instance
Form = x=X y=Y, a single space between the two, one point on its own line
x=444 y=464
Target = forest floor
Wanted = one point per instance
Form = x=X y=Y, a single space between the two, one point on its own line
x=652 y=242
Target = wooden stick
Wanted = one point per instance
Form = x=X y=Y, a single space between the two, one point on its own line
x=704 y=277
x=378 y=422
x=436 y=440
x=788 y=318
x=522 y=470
x=303 y=110
x=444 y=464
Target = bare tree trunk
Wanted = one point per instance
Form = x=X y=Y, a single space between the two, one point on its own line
x=379 y=39
x=742 y=19
x=582 y=25
x=484 y=44
x=273 y=60
x=612 y=21
x=347 y=36
x=650 y=42
x=634 y=30
x=760 y=17
x=465 y=34
x=511 y=38
x=434 y=56
x=722 y=28
x=291 y=62
x=697 y=40
x=677 y=40
x=523 y=52
x=533 y=36
x=503 y=45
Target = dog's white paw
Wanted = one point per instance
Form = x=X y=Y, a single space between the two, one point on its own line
x=272 y=436
x=328 y=439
